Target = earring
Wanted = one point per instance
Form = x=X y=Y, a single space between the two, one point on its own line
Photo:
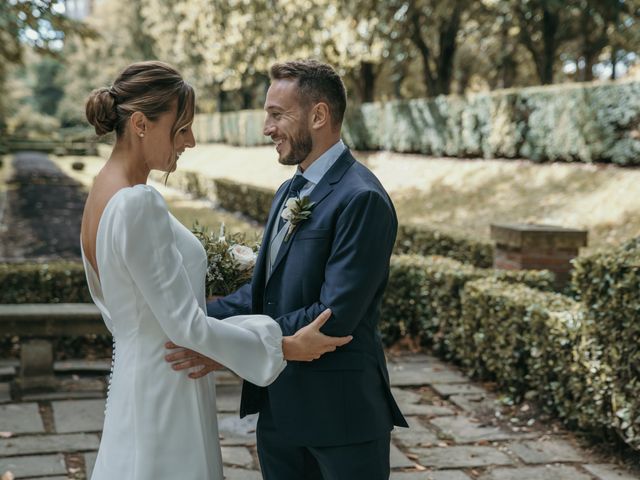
x=141 y=134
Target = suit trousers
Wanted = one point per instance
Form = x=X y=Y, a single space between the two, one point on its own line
x=280 y=460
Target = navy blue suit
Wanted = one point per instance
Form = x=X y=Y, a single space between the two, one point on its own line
x=338 y=259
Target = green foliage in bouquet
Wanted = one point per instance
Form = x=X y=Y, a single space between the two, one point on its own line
x=230 y=259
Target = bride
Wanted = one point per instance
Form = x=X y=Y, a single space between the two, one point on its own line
x=146 y=275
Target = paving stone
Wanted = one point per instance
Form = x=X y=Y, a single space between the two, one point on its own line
x=78 y=415
x=404 y=395
x=34 y=444
x=546 y=451
x=547 y=472
x=416 y=435
x=90 y=462
x=238 y=456
x=447 y=389
x=33 y=466
x=479 y=405
x=413 y=358
x=66 y=366
x=439 y=475
x=463 y=430
x=225 y=377
x=228 y=398
x=7 y=372
x=418 y=374
x=234 y=430
x=398 y=459
x=426 y=410
x=460 y=457
x=609 y=472
x=58 y=396
x=20 y=418
x=240 y=474
x=5 y=392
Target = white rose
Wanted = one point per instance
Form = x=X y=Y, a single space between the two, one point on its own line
x=244 y=256
x=288 y=206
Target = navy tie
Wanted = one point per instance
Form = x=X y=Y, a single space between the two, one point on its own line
x=294 y=190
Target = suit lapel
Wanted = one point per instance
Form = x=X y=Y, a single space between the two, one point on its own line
x=318 y=194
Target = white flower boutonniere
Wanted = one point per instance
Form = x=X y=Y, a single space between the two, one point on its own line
x=296 y=211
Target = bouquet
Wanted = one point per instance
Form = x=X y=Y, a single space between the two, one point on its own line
x=230 y=260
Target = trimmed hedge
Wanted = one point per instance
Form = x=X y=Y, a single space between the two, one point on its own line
x=252 y=201
x=608 y=283
x=243 y=128
x=255 y=202
x=422 y=240
x=423 y=300
x=570 y=122
x=499 y=320
x=56 y=282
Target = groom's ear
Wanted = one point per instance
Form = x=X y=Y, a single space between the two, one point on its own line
x=320 y=115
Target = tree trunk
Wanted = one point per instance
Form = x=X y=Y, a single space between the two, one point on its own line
x=425 y=54
x=614 y=61
x=448 y=44
x=368 y=81
x=550 y=22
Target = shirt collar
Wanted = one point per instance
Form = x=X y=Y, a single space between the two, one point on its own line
x=323 y=163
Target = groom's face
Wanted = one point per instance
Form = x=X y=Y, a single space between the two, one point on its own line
x=287 y=122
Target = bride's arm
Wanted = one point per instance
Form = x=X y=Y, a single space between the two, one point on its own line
x=250 y=345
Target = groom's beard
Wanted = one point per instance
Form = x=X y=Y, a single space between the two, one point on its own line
x=300 y=148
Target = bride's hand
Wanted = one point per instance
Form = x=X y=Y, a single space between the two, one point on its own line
x=185 y=358
x=309 y=343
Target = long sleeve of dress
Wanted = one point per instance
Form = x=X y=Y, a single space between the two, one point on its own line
x=250 y=345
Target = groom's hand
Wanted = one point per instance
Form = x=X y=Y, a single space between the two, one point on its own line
x=184 y=358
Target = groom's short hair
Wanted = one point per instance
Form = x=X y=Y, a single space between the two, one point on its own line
x=317 y=82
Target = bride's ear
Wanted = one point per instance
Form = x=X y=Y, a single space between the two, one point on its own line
x=138 y=124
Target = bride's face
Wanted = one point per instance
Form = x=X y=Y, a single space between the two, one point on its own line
x=160 y=150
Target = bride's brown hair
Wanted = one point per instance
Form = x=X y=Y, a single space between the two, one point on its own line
x=146 y=87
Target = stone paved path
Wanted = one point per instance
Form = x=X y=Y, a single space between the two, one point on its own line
x=457 y=432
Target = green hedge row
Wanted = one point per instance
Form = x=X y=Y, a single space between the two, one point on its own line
x=535 y=344
x=243 y=128
x=423 y=300
x=570 y=122
x=255 y=202
x=421 y=240
x=609 y=286
x=56 y=282
x=252 y=201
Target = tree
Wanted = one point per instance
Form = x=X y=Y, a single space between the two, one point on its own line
x=433 y=28
x=539 y=24
x=96 y=61
x=36 y=24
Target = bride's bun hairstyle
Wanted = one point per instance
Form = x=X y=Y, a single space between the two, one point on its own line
x=147 y=87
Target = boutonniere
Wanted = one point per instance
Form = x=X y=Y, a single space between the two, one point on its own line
x=296 y=211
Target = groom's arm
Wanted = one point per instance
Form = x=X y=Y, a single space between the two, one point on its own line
x=357 y=268
x=236 y=303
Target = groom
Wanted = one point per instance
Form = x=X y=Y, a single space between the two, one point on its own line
x=330 y=418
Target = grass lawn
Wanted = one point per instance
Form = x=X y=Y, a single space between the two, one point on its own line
x=457 y=195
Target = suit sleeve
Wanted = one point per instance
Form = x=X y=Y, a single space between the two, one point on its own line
x=357 y=268
x=236 y=303
x=250 y=345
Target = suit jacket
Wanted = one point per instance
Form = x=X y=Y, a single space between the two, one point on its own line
x=338 y=259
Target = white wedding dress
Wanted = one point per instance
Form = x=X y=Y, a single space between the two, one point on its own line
x=160 y=424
